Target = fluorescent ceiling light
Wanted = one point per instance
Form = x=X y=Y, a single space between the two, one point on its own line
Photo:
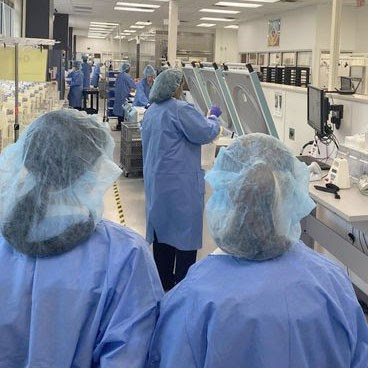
x=138 y=5
x=219 y=19
x=137 y=27
x=238 y=5
x=234 y=26
x=264 y=1
x=129 y=31
x=134 y=9
x=143 y=23
x=220 y=11
x=206 y=25
x=101 y=38
x=105 y=24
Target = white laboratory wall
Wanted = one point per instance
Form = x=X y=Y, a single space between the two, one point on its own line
x=298 y=31
x=226 y=46
x=94 y=45
x=362 y=29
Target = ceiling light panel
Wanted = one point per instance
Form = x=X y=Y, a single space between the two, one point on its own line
x=206 y=25
x=129 y=31
x=137 y=27
x=238 y=5
x=134 y=9
x=219 y=19
x=234 y=26
x=220 y=11
x=138 y=5
x=143 y=23
x=105 y=24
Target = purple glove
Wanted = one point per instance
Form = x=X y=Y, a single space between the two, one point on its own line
x=215 y=110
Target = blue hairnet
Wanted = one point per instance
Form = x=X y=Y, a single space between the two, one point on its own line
x=125 y=68
x=77 y=64
x=85 y=58
x=149 y=71
x=260 y=194
x=52 y=182
x=165 y=86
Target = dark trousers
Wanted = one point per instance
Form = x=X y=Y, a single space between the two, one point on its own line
x=120 y=120
x=172 y=263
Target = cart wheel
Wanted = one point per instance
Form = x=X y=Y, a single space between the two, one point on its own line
x=125 y=173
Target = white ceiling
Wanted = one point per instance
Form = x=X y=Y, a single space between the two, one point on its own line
x=103 y=11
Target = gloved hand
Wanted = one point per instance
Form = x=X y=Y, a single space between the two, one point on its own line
x=216 y=111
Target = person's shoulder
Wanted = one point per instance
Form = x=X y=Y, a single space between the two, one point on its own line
x=317 y=262
x=121 y=239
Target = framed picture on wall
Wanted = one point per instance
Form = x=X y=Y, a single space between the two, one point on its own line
x=274 y=28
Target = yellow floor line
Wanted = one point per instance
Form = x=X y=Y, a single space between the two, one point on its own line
x=118 y=204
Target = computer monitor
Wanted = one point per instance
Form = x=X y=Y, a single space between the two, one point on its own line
x=346 y=84
x=318 y=110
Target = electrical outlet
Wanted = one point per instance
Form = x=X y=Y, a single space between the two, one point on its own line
x=292 y=134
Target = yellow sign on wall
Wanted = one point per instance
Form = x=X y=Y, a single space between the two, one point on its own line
x=32 y=64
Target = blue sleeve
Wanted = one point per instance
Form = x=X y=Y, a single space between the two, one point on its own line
x=131 y=315
x=131 y=83
x=140 y=96
x=197 y=128
x=171 y=339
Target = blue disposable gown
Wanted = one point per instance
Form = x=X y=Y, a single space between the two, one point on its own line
x=96 y=76
x=123 y=85
x=76 y=88
x=172 y=134
x=142 y=93
x=86 y=69
x=93 y=306
x=296 y=311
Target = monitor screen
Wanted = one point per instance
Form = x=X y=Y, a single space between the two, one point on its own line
x=316 y=115
x=346 y=84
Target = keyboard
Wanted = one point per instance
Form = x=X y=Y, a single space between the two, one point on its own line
x=308 y=160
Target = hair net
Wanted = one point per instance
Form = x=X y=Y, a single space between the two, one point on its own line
x=125 y=68
x=165 y=86
x=77 y=64
x=52 y=182
x=149 y=71
x=260 y=194
x=85 y=58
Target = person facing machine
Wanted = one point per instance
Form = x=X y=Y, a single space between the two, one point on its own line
x=123 y=86
x=75 y=290
x=144 y=87
x=86 y=69
x=172 y=134
x=263 y=299
x=96 y=75
x=76 y=86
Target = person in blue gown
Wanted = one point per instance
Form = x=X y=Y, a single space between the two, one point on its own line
x=144 y=87
x=75 y=290
x=76 y=86
x=96 y=75
x=87 y=70
x=263 y=299
x=173 y=132
x=123 y=87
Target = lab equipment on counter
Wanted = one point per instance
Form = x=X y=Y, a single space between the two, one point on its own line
x=363 y=185
x=339 y=174
x=315 y=172
x=308 y=160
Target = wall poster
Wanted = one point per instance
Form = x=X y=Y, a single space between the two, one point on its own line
x=274 y=28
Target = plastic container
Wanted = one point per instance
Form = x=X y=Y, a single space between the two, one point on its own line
x=208 y=155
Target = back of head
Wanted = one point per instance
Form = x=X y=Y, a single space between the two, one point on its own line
x=260 y=194
x=149 y=71
x=125 y=68
x=84 y=58
x=166 y=85
x=53 y=182
x=77 y=65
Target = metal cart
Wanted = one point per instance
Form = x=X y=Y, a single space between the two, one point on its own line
x=131 y=158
